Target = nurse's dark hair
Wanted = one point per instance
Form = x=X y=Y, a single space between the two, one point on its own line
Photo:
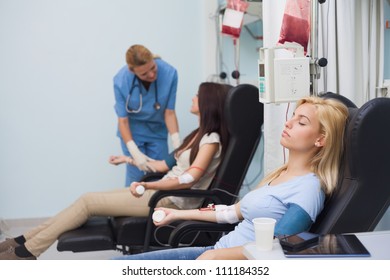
x=138 y=55
x=211 y=102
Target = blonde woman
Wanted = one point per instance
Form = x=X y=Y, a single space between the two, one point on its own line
x=294 y=194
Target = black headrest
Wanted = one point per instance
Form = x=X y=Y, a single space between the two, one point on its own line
x=243 y=111
x=244 y=115
x=369 y=129
x=363 y=192
x=340 y=98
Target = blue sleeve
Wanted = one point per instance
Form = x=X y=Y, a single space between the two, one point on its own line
x=121 y=87
x=120 y=103
x=295 y=220
x=170 y=160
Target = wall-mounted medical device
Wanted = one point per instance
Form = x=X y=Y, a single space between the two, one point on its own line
x=281 y=78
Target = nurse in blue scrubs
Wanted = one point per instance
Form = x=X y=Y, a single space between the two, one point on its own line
x=145 y=97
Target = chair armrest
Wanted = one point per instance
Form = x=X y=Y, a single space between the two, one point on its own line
x=212 y=194
x=190 y=226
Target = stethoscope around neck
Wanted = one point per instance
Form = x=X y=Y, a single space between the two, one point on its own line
x=156 y=105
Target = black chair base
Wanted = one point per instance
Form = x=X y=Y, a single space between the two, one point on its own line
x=127 y=234
x=95 y=235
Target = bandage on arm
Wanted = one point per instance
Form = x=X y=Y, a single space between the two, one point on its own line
x=185 y=178
x=226 y=214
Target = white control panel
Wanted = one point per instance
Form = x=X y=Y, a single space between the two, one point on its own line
x=282 y=79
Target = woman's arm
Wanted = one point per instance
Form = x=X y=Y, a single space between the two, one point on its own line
x=171 y=121
x=234 y=253
x=124 y=129
x=172 y=215
x=196 y=171
x=203 y=214
x=157 y=165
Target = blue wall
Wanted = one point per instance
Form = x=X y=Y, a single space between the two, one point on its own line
x=57 y=60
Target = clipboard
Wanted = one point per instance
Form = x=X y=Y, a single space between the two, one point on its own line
x=332 y=245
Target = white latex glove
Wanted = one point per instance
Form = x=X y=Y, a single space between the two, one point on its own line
x=140 y=159
x=175 y=137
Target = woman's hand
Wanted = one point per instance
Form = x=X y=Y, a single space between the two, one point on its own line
x=133 y=187
x=116 y=160
x=170 y=216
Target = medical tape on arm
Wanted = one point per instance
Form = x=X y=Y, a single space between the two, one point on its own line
x=187 y=178
x=226 y=214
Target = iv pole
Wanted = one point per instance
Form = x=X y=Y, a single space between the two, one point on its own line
x=315 y=63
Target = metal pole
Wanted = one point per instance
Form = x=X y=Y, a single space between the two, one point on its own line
x=236 y=72
x=314 y=45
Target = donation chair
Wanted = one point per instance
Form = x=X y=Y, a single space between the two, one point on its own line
x=362 y=195
x=244 y=115
x=338 y=97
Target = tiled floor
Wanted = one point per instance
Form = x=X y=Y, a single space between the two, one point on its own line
x=18 y=227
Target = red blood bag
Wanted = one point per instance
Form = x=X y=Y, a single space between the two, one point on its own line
x=296 y=23
x=233 y=17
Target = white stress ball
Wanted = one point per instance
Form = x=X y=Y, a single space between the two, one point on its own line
x=140 y=189
x=158 y=216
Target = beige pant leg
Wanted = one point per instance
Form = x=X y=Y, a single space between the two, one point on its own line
x=112 y=203
x=167 y=203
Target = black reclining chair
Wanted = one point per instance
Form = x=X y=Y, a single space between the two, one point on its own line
x=363 y=192
x=339 y=97
x=244 y=114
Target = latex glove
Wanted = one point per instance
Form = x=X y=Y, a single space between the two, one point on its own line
x=175 y=137
x=140 y=159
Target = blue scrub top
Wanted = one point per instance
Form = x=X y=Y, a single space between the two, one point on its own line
x=149 y=123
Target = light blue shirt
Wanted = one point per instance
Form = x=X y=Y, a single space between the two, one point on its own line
x=272 y=202
x=149 y=123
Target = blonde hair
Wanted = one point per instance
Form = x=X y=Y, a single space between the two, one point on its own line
x=138 y=55
x=332 y=116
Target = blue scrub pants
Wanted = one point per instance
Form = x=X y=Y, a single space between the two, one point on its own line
x=158 y=149
x=187 y=253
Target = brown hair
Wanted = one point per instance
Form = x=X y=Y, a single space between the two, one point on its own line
x=211 y=99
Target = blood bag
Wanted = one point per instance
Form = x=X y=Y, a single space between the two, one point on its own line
x=233 y=17
x=296 y=23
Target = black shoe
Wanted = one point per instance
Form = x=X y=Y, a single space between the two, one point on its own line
x=10 y=255
x=9 y=242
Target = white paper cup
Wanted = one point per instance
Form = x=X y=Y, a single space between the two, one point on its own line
x=264 y=233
